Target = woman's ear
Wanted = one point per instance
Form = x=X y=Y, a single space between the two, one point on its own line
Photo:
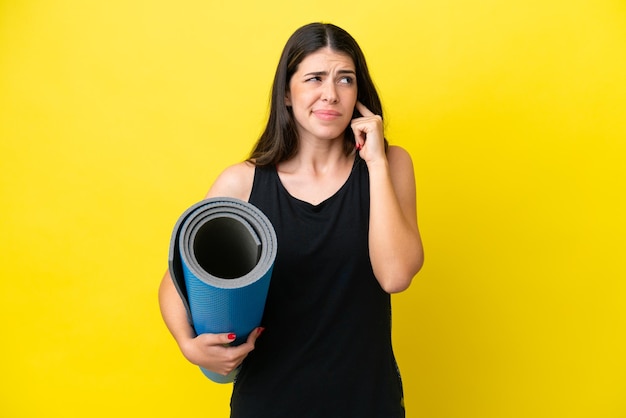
x=287 y=99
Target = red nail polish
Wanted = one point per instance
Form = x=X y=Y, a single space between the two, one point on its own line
x=231 y=336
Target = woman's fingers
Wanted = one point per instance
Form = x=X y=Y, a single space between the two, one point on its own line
x=368 y=132
x=364 y=111
x=214 y=352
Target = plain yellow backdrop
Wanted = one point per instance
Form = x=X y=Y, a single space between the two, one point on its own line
x=115 y=116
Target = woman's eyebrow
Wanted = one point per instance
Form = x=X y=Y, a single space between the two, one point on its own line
x=318 y=73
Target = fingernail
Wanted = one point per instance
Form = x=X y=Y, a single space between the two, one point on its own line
x=231 y=336
x=260 y=331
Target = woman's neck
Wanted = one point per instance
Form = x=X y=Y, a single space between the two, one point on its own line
x=318 y=158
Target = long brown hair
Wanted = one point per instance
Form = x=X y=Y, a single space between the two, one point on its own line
x=279 y=140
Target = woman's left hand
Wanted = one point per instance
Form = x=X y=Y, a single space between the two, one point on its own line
x=368 y=134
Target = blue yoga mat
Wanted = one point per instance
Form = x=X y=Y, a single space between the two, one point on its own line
x=221 y=257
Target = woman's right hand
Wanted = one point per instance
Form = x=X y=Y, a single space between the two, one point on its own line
x=213 y=352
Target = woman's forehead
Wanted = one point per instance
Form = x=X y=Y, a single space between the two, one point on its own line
x=325 y=58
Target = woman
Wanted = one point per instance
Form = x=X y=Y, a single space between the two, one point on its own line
x=343 y=205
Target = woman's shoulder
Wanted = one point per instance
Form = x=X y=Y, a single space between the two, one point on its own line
x=401 y=169
x=399 y=158
x=235 y=181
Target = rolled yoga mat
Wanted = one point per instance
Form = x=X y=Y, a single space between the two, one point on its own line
x=221 y=257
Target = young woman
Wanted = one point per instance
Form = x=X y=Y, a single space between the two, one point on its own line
x=343 y=205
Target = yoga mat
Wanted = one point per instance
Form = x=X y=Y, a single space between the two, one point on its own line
x=221 y=257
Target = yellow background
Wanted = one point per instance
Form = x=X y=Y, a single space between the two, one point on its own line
x=117 y=115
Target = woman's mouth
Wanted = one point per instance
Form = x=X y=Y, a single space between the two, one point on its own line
x=324 y=114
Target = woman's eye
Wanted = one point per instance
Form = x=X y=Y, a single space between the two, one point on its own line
x=314 y=79
x=346 y=80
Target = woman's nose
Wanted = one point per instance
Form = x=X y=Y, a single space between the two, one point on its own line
x=329 y=93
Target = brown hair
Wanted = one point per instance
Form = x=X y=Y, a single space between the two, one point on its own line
x=279 y=140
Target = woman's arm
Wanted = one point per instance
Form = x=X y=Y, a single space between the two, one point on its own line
x=208 y=350
x=395 y=245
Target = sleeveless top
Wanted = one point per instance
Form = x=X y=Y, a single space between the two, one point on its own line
x=326 y=350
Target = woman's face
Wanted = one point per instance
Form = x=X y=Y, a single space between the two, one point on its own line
x=322 y=94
